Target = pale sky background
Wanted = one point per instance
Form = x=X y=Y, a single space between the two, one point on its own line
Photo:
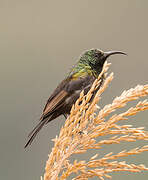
x=39 y=42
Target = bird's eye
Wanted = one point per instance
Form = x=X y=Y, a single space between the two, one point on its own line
x=97 y=55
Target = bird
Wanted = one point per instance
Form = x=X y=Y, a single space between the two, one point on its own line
x=81 y=77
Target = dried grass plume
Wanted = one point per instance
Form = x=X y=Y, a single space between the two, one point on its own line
x=83 y=127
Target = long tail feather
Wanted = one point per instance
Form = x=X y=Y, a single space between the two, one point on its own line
x=35 y=131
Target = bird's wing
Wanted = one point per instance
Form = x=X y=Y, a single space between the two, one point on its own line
x=58 y=95
x=64 y=90
x=52 y=104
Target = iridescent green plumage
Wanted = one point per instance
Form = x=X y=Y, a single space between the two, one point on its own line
x=88 y=64
x=81 y=77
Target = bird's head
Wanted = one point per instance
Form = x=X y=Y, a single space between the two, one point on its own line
x=95 y=58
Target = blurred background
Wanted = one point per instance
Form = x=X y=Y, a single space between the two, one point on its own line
x=39 y=42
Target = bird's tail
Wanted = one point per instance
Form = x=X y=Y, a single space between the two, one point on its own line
x=34 y=132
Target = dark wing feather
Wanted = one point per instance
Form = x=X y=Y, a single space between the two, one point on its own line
x=59 y=88
x=65 y=89
x=52 y=104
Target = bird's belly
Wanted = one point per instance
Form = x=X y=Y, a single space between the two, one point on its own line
x=74 y=96
x=72 y=99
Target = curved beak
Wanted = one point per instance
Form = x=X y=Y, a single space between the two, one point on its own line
x=109 y=53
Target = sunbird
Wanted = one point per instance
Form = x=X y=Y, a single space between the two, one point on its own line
x=81 y=77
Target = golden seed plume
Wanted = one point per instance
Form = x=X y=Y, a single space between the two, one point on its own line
x=83 y=118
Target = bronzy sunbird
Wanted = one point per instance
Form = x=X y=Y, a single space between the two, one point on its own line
x=81 y=77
